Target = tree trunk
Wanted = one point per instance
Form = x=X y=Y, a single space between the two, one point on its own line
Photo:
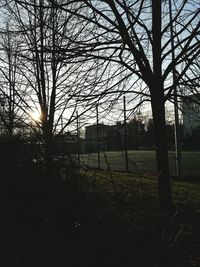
x=158 y=111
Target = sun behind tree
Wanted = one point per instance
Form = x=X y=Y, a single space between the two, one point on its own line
x=35 y=116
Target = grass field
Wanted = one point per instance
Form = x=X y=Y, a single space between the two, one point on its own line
x=143 y=161
x=132 y=207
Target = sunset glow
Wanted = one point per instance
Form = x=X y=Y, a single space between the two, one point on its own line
x=36 y=116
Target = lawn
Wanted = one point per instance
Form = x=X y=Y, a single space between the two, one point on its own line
x=143 y=161
x=163 y=240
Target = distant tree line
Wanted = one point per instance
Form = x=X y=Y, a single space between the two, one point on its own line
x=140 y=135
x=191 y=140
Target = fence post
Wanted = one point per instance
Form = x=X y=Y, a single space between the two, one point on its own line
x=98 y=140
x=125 y=136
x=78 y=140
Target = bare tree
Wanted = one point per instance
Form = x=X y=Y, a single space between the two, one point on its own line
x=48 y=80
x=12 y=104
x=54 y=77
x=109 y=47
x=136 y=35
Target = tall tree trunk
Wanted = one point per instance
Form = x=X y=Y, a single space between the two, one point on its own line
x=158 y=110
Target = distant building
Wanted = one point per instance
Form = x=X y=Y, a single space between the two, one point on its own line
x=112 y=137
x=91 y=132
x=191 y=113
x=91 y=137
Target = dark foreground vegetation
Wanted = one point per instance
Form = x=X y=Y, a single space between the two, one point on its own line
x=73 y=217
x=97 y=219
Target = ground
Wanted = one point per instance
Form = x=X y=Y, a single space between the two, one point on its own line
x=102 y=219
